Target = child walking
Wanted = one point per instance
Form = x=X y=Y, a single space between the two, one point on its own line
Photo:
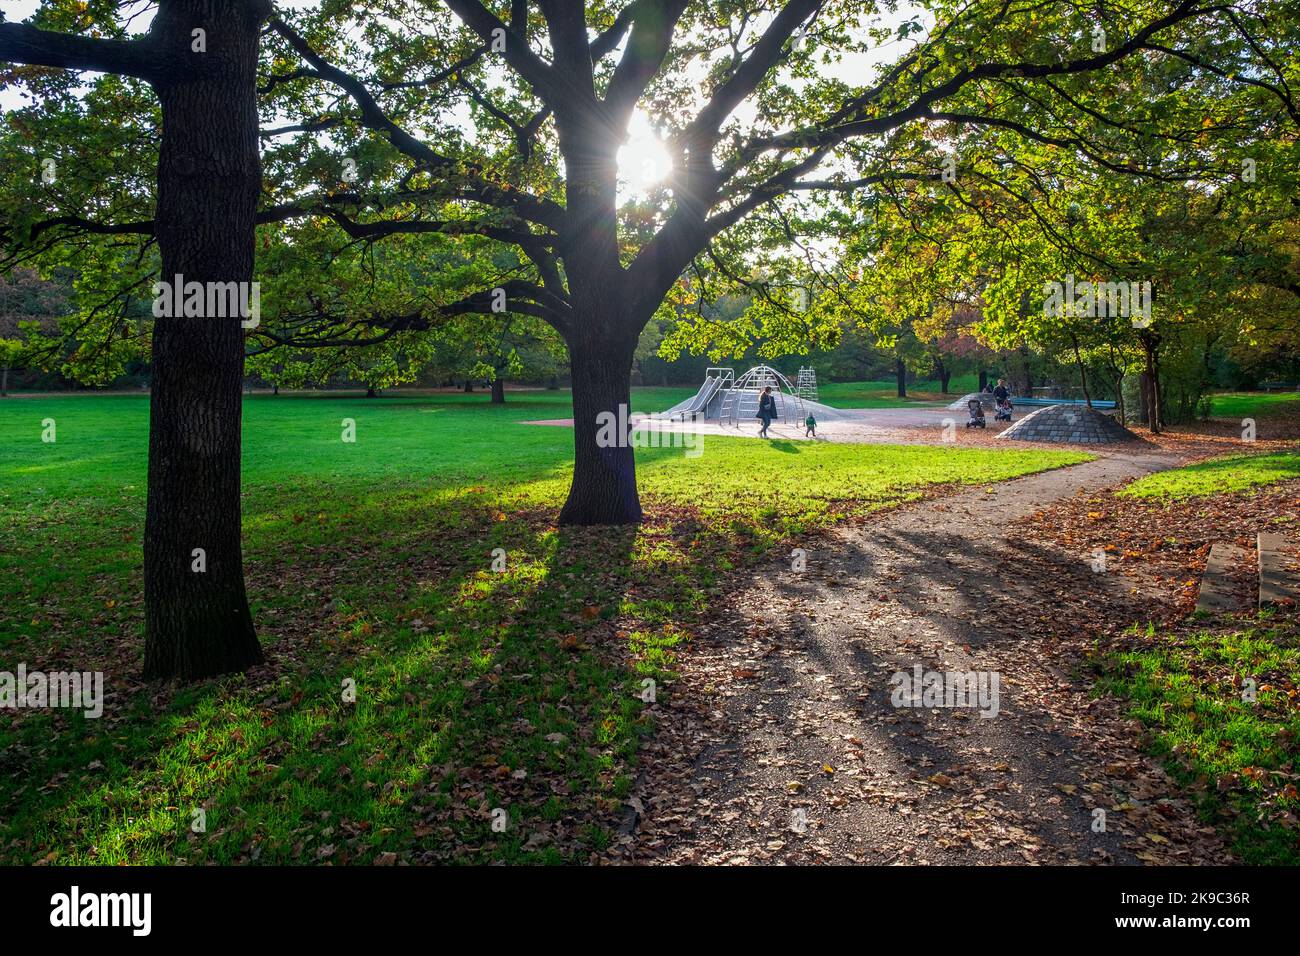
x=810 y=427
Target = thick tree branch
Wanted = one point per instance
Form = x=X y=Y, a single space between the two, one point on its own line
x=566 y=24
x=23 y=43
x=321 y=328
x=608 y=41
x=531 y=208
x=280 y=78
x=539 y=74
x=702 y=133
x=648 y=44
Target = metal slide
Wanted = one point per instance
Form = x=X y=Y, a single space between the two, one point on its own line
x=702 y=398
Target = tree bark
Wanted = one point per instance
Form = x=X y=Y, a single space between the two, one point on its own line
x=945 y=375
x=604 y=478
x=498 y=391
x=370 y=392
x=4 y=381
x=1083 y=371
x=1028 y=372
x=604 y=325
x=1117 y=375
x=984 y=379
x=900 y=373
x=197 y=622
x=1149 y=382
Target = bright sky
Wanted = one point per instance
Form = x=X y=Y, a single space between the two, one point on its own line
x=643 y=161
x=15 y=10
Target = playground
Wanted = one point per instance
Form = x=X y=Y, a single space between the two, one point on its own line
x=726 y=405
x=727 y=400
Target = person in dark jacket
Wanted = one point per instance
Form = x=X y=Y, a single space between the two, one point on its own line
x=766 y=410
x=1002 y=397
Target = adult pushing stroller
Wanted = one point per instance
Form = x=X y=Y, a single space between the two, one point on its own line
x=976 y=414
x=1002 y=399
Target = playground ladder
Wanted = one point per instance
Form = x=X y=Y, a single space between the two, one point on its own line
x=806 y=385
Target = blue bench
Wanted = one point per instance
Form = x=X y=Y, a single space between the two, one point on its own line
x=1059 y=401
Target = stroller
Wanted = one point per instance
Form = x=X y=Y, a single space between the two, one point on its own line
x=976 y=414
x=1004 y=410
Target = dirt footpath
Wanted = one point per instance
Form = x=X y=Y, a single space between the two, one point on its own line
x=781 y=743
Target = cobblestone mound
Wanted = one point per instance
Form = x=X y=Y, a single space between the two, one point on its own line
x=1069 y=424
x=987 y=401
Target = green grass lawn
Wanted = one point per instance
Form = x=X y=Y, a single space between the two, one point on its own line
x=884 y=394
x=1253 y=404
x=1217 y=476
x=477 y=690
x=1237 y=757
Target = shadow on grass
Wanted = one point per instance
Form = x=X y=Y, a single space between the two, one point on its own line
x=475 y=689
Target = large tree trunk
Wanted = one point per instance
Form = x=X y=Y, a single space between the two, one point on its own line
x=944 y=373
x=900 y=375
x=1083 y=371
x=604 y=326
x=498 y=391
x=984 y=379
x=1117 y=375
x=1028 y=372
x=197 y=622
x=4 y=381
x=604 y=472
x=1149 y=382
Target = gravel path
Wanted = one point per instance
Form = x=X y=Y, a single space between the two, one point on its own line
x=780 y=742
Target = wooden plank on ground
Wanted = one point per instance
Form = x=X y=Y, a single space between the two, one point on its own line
x=1279 y=571
x=1218 y=591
